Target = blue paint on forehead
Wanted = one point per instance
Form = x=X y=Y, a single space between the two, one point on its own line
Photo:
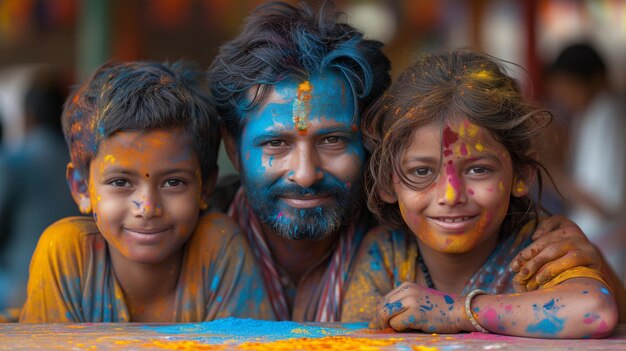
x=332 y=107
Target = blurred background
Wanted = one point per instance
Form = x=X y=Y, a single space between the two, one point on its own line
x=46 y=46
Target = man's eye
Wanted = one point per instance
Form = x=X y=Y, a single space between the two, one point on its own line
x=119 y=183
x=275 y=143
x=171 y=183
x=331 y=140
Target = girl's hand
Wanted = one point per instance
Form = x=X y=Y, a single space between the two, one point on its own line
x=559 y=244
x=412 y=307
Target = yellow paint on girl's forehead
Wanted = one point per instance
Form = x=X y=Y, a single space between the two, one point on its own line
x=479 y=147
x=467 y=128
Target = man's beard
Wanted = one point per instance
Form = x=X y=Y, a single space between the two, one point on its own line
x=314 y=223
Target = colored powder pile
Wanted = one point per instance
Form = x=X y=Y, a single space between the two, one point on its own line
x=236 y=329
x=329 y=343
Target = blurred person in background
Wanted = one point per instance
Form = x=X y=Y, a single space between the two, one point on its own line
x=33 y=191
x=591 y=174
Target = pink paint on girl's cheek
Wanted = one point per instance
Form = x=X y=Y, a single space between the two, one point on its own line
x=490 y=190
x=470 y=191
x=508 y=308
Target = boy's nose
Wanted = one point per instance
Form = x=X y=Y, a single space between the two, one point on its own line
x=147 y=207
x=304 y=167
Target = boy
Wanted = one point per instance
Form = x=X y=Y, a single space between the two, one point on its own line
x=143 y=143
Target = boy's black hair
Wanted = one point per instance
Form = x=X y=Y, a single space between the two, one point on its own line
x=136 y=96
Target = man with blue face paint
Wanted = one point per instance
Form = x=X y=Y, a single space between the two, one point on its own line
x=289 y=91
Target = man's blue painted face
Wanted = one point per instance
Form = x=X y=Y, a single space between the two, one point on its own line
x=302 y=157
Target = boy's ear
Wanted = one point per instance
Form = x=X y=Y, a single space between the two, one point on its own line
x=523 y=180
x=207 y=188
x=231 y=146
x=79 y=188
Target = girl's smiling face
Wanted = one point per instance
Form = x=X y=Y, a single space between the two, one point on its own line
x=464 y=180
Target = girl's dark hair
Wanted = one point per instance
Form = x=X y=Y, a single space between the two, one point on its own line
x=280 y=41
x=460 y=82
x=136 y=96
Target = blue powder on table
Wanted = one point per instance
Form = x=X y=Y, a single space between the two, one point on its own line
x=237 y=329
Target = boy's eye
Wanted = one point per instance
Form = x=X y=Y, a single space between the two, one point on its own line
x=120 y=183
x=172 y=183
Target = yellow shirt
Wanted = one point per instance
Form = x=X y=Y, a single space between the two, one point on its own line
x=72 y=280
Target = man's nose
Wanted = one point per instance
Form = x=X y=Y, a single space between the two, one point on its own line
x=304 y=166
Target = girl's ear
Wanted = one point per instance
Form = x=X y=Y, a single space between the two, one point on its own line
x=207 y=188
x=79 y=188
x=231 y=146
x=523 y=181
x=389 y=198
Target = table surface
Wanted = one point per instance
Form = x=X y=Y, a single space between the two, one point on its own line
x=246 y=334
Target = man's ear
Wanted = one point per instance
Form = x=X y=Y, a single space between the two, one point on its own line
x=231 y=146
x=79 y=188
x=523 y=180
x=208 y=185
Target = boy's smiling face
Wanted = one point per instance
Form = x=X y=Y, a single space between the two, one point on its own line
x=145 y=190
x=465 y=204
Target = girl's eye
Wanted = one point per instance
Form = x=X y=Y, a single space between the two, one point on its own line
x=477 y=170
x=423 y=172
x=119 y=183
x=172 y=183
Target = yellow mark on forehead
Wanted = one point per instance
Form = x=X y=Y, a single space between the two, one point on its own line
x=304 y=86
x=109 y=158
x=302 y=107
x=479 y=147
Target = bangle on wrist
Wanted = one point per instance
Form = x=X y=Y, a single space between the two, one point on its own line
x=468 y=309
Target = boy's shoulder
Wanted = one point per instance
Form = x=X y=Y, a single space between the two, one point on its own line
x=215 y=228
x=70 y=232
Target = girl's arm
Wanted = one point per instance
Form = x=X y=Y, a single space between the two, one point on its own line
x=576 y=308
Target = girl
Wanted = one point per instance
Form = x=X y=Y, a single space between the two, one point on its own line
x=452 y=162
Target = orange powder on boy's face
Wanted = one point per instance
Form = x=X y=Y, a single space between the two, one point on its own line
x=146 y=218
x=465 y=205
